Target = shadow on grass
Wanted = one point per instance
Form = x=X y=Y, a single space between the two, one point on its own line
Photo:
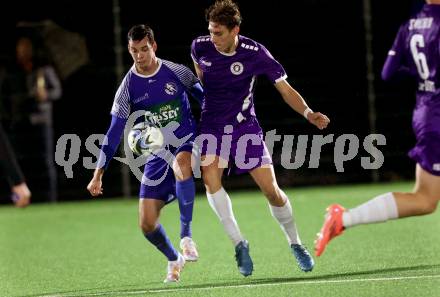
x=242 y=282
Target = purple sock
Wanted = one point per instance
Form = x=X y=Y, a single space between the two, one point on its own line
x=160 y=240
x=185 y=191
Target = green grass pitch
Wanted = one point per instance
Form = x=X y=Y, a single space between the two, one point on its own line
x=94 y=248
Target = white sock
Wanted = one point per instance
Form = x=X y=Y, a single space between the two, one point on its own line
x=222 y=206
x=378 y=209
x=284 y=217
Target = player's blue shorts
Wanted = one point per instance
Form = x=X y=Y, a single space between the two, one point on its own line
x=247 y=149
x=427 y=152
x=158 y=169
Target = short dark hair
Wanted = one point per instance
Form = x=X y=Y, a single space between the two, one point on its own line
x=224 y=12
x=139 y=32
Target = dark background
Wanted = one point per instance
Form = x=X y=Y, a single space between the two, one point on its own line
x=321 y=45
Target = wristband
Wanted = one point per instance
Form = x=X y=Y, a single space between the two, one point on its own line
x=306 y=112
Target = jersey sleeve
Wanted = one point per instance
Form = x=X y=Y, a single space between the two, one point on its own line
x=394 y=64
x=113 y=137
x=187 y=78
x=270 y=67
x=197 y=92
x=183 y=73
x=194 y=55
x=121 y=103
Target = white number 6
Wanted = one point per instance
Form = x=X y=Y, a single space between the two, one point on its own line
x=419 y=57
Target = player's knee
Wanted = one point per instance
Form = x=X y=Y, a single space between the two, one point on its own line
x=212 y=185
x=428 y=204
x=182 y=168
x=147 y=226
x=431 y=206
x=209 y=175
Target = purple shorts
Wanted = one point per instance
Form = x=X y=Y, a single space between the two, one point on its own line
x=242 y=145
x=427 y=152
x=158 y=169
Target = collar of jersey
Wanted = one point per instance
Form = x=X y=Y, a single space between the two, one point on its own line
x=229 y=54
x=134 y=70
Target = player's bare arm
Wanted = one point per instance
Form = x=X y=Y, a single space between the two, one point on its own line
x=297 y=103
x=95 y=185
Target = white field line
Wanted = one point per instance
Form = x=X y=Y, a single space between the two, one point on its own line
x=289 y=283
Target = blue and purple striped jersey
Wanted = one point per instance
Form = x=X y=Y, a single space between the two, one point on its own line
x=229 y=79
x=163 y=95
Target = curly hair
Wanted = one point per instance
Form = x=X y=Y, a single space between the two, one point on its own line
x=224 y=12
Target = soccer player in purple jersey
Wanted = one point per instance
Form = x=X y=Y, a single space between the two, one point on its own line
x=227 y=64
x=415 y=52
x=156 y=86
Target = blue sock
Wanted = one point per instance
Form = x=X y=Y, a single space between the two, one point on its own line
x=161 y=241
x=185 y=191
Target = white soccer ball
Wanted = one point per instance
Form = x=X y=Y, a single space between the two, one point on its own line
x=144 y=139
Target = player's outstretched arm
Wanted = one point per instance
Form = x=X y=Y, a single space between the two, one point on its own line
x=297 y=103
x=107 y=152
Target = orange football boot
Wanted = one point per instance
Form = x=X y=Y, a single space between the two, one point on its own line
x=332 y=227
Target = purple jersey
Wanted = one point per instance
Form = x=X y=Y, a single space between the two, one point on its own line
x=229 y=79
x=416 y=51
x=163 y=95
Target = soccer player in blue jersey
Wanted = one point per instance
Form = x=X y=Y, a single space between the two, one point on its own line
x=415 y=52
x=154 y=85
x=227 y=64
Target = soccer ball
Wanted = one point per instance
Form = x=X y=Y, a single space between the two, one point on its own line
x=144 y=139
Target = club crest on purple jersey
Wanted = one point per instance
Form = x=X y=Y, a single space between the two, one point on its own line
x=237 y=68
